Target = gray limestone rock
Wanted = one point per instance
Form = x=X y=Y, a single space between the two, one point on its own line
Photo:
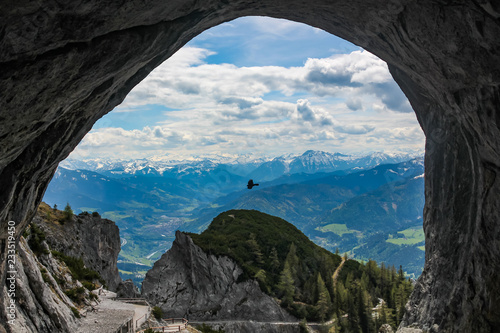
x=127 y=289
x=87 y=236
x=187 y=282
x=386 y=328
x=40 y=305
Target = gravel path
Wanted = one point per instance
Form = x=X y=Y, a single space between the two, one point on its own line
x=109 y=316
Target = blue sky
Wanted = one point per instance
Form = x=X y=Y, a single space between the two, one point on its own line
x=259 y=86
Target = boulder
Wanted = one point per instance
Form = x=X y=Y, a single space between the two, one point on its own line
x=127 y=289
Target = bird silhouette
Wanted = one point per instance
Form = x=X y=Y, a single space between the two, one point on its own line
x=251 y=184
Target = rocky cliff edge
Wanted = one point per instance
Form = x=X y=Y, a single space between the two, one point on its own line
x=187 y=282
x=87 y=236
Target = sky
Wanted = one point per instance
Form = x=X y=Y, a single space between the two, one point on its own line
x=264 y=87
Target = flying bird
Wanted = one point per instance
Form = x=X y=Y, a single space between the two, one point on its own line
x=251 y=184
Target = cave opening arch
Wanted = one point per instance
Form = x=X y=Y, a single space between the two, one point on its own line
x=194 y=77
x=64 y=66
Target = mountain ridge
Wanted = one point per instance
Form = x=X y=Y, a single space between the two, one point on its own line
x=310 y=161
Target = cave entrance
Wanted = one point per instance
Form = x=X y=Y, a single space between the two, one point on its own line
x=60 y=76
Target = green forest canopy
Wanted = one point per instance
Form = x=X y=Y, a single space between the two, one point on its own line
x=298 y=273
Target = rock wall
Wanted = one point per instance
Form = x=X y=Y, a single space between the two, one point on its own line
x=64 y=64
x=86 y=236
x=39 y=303
x=458 y=287
x=188 y=283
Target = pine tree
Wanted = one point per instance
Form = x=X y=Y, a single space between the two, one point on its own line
x=275 y=262
x=261 y=277
x=293 y=260
x=364 y=312
x=400 y=302
x=68 y=212
x=394 y=274
x=401 y=274
x=324 y=302
x=310 y=290
x=387 y=316
x=255 y=249
x=340 y=297
x=364 y=281
x=349 y=280
x=286 y=285
x=352 y=314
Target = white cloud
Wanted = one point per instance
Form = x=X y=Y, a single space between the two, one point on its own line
x=189 y=81
x=315 y=116
x=226 y=108
x=354 y=103
x=305 y=111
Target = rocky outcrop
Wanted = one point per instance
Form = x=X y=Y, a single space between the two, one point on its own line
x=87 y=236
x=385 y=328
x=127 y=289
x=64 y=64
x=187 y=282
x=35 y=300
x=43 y=294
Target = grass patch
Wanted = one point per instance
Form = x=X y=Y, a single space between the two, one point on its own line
x=338 y=229
x=76 y=294
x=410 y=236
x=76 y=313
x=36 y=239
x=157 y=312
x=78 y=269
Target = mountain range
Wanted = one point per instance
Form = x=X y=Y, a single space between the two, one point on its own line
x=329 y=196
x=263 y=168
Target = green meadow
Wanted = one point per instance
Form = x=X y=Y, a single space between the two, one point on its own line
x=410 y=236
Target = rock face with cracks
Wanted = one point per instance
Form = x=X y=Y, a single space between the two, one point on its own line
x=64 y=64
x=87 y=236
x=40 y=303
x=188 y=283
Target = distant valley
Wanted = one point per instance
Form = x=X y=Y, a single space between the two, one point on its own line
x=370 y=206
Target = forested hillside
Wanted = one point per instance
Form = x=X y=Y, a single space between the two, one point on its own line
x=309 y=281
x=372 y=214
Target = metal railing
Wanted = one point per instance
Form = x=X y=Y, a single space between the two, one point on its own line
x=145 y=316
x=131 y=300
x=172 y=325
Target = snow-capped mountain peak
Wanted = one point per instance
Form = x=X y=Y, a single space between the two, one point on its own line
x=263 y=168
